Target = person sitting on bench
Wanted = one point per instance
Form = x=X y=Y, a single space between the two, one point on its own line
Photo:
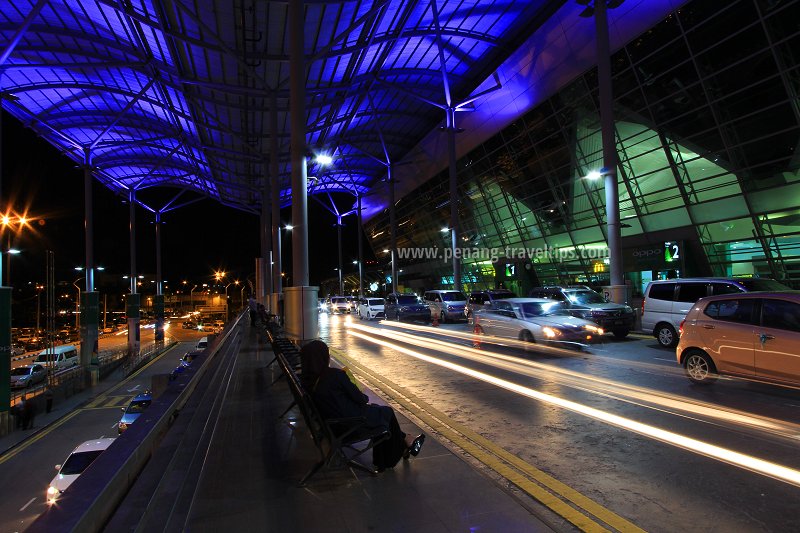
x=337 y=397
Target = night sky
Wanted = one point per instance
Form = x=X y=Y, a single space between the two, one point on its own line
x=196 y=240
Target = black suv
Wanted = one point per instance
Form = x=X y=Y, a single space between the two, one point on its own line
x=583 y=302
x=480 y=299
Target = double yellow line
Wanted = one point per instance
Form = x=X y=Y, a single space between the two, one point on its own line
x=563 y=500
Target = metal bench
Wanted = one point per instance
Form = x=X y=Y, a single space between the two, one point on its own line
x=332 y=437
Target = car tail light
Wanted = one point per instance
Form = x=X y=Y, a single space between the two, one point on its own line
x=680 y=328
x=643 y=300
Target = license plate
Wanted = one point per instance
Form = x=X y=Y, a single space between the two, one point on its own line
x=619 y=322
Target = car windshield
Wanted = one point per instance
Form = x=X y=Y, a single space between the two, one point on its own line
x=502 y=295
x=376 y=301
x=585 y=297
x=453 y=296
x=338 y=300
x=20 y=371
x=760 y=284
x=138 y=406
x=532 y=309
x=78 y=462
x=407 y=299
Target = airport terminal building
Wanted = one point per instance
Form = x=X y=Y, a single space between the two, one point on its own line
x=707 y=120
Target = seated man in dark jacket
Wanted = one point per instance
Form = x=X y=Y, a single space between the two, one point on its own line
x=337 y=397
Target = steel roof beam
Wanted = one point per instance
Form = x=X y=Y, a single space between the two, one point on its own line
x=127 y=108
x=15 y=39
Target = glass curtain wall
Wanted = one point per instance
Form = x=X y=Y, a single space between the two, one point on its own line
x=707 y=111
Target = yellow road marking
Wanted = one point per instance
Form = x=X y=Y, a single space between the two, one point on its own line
x=93 y=405
x=524 y=475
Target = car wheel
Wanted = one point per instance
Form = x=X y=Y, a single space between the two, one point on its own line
x=525 y=336
x=700 y=368
x=621 y=333
x=666 y=335
x=478 y=330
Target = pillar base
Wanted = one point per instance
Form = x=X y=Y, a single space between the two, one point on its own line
x=94 y=375
x=301 y=321
x=5 y=420
x=616 y=293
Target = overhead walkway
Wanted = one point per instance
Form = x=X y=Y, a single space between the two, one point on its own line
x=228 y=462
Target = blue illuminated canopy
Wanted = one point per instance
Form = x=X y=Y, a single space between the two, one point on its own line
x=172 y=94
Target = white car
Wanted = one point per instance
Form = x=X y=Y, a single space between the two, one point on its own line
x=371 y=308
x=535 y=320
x=78 y=461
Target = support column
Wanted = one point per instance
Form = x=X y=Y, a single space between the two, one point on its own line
x=133 y=305
x=392 y=228
x=360 y=252
x=301 y=301
x=454 y=201
x=617 y=289
x=158 y=301
x=265 y=272
x=90 y=300
x=5 y=362
x=339 y=235
x=275 y=197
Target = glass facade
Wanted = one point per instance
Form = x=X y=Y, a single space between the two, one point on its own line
x=707 y=116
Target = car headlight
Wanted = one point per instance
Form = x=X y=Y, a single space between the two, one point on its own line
x=551 y=333
x=123 y=426
x=628 y=310
x=594 y=329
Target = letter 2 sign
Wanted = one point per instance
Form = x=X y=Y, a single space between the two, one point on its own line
x=672 y=252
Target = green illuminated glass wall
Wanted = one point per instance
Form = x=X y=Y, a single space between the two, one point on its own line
x=707 y=114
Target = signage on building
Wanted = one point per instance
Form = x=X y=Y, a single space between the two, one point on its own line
x=668 y=254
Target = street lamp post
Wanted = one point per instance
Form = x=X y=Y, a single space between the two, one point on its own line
x=191 y=298
x=78 y=302
x=226 y=298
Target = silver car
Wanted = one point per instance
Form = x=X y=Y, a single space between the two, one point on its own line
x=536 y=320
x=27 y=376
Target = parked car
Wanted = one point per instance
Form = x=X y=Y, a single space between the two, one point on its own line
x=398 y=306
x=371 y=308
x=189 y=325
x=446 y=304
x=480 y=299
x=583 y=302
x=208 y=327
x=27 y=376
x=536 y=320
x=137 y=406
x=666 y=302
x=754 y=335
x=77 y=462
x=202 y=344
x=338 y=304
x=17 y=349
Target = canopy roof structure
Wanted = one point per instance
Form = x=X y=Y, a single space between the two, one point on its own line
x=172 y=99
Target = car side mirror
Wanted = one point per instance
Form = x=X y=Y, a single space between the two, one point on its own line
x=58 y=467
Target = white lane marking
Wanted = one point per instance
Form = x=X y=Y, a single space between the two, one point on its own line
x=662 y=359
x=133 y=389
x=27 y=504
x=115 y=426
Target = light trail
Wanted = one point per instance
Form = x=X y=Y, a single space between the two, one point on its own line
x=613 y=389
x=754 y=464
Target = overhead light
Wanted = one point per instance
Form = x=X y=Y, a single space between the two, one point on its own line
x=324 y=159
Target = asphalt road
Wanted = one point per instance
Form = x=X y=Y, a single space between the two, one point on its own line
x=26 y=471
x=618 y=422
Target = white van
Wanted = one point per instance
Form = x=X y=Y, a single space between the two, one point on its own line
x=667 y=302
x=202 y=344
x=63 y=356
